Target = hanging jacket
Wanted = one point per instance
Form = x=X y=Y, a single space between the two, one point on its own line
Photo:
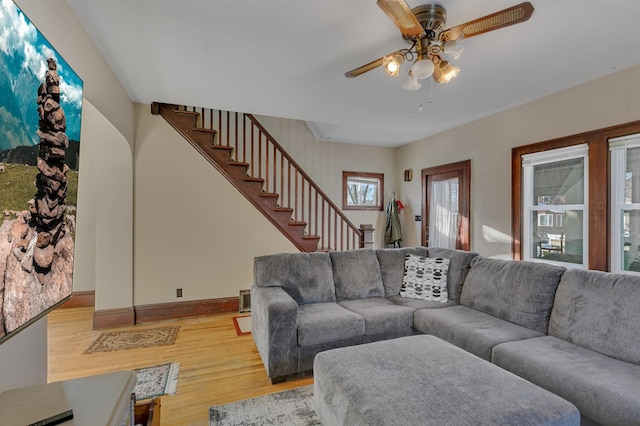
x=392 y=231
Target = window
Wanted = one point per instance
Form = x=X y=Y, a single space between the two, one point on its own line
x=545 y=219
x=625 y=204
x=362 y=191
x=610 y=209
x=555 y=182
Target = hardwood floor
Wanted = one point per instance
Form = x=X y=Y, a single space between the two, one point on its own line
x=216 y=365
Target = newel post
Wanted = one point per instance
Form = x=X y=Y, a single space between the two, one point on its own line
x=367 y=235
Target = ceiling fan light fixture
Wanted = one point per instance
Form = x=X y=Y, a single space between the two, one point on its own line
x=454 y=47
x=422 y=68
x=445 y=72
x=412 y=83
x=391 y=64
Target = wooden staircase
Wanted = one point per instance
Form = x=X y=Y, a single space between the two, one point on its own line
x=251 y=160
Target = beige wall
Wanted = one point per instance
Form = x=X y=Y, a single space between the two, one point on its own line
x=193 y=229
x=325 y=162
x=111 y=173
x=487 y=142
x=105 y=213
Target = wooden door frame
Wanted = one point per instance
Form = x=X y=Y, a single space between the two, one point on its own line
x=463 y=171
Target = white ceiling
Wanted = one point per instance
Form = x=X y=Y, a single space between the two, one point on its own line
x=287 y=59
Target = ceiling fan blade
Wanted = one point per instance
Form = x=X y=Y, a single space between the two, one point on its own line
x=403 y=17
x=501 y=19
x=364 y=68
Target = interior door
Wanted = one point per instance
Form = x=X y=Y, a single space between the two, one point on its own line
x=446 y=202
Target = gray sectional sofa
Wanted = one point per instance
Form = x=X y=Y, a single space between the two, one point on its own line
x=575 y=333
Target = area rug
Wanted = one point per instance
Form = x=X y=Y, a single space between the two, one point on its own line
x=293 y=407
x=242 y=324
x=132 y=339
x=156 y=381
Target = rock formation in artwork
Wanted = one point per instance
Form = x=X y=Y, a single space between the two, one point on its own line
x=49 y=205
x=36 y=249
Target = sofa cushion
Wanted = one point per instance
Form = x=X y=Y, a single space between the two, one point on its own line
x=604 y=389
x=391 y=262
x=472 y=330
x=419 y=304
x=425 y=278
x=356 y=274
x=516 y=291
x=320 y=323
x=306 y=277
x=459 y=263
x=599 y=311
x=381 y=315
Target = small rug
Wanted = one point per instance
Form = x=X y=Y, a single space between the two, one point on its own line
x=131 y=339
x=242 y=324
x=293 y=407
x=157 y=380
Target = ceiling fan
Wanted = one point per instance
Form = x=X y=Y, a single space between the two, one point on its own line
x=423 y=28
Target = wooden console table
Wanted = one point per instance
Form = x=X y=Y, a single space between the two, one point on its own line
x=103 y=399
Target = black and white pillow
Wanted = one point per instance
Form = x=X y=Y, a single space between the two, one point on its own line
x=425 y=278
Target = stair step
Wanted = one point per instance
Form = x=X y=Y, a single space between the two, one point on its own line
x=189 y=113
x=253 y=179
x=294 y=223
x=202 y=129
x=311 y=237
x=238 y=164
x=284 y=209
x=224 y=147
x=268 y=195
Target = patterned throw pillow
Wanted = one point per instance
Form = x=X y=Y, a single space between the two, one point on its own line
x=425 y=278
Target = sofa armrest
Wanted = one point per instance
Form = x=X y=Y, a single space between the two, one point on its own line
x=274 y=327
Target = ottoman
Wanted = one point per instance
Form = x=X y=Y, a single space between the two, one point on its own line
x=423 y=380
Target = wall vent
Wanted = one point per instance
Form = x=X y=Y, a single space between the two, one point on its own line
x=245 y=301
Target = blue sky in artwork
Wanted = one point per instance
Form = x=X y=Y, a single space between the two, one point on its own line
x=23 y=64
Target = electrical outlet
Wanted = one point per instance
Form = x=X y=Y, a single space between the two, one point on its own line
x=178 y=292
x=418 y=218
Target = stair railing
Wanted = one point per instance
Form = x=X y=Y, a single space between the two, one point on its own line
x=268 y=161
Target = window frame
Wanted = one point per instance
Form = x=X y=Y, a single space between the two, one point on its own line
x=599 y=200
x=529 y=161
x=345 y=178
x=618 y=148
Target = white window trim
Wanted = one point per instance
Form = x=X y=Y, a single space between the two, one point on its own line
x=547 y=215
x=618 y=148
x=545 y=157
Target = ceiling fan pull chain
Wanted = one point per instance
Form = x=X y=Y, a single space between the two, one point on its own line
x=431 y=100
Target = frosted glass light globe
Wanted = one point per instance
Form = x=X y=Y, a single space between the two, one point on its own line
x=422 y=68
x=412 y=83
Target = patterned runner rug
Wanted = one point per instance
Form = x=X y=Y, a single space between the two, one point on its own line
x=131 y=339
x=157 y=380
x=293 y=407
